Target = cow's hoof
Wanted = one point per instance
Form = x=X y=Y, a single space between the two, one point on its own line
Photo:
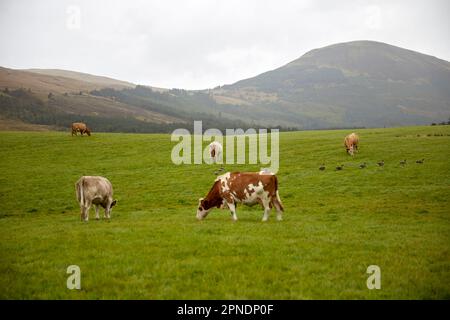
x=279 y=219
x=264 y=219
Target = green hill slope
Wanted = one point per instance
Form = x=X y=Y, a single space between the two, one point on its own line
x=361 y=83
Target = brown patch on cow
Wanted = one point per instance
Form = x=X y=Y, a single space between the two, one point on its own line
x=213 y=199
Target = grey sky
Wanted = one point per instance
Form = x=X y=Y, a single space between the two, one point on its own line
x=196 y=44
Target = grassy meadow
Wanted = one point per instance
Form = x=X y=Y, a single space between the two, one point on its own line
x=336 y=223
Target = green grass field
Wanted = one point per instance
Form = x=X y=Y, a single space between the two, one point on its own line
x=336 y=223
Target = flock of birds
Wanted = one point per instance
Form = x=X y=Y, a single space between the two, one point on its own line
x=364 y=164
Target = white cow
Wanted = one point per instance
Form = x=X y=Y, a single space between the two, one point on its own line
x=215 y=151
x=94 y=190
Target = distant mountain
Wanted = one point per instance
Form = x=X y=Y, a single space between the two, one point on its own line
x=42 y=95
x=361 y=83
x=354 y=84
x=47 y=99
x=97 y=81
x=43 y=81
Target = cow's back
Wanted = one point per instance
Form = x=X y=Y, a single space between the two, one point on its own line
x=351 y=139
x=244 y=185
x=94 y=187
x=79 y=126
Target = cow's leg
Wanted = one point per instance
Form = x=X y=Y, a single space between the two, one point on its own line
x=87 y=207
x=108 y=210
x=82 y=212
x=232 y=207
x=97 y=217
x=279 y=209
x=266 y=205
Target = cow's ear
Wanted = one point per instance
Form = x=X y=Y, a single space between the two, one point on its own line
x=205 y=204
x=113 y=203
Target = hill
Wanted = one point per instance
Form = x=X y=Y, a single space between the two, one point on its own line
x=97 y=81
x=57 y=98
x=361 y=83
x=354 y=84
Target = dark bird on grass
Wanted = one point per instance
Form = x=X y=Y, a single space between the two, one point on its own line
x=221 y=169
x=338 y=168
x=381 y=163
x=420 y=161
x=322 y=167
x=403 y=162
x=362 y=165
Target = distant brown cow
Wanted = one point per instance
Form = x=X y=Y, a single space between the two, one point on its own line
x=80 y=127
x=242 y=187
x=351 y=143
x=94 y=190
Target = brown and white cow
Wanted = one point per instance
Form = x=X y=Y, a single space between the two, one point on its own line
x=351 y=143
x=81 y=128
x=94 y=190
x=242 y=187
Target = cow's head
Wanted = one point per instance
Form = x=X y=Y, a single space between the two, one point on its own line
x=108 y=210
x=203 y=208
x=88 y=132
x=350 y=150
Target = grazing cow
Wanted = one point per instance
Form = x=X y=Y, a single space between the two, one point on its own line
x=351 y=143
x=215 y=151
x=242 y=187
x=80 y=127
x=94 y=190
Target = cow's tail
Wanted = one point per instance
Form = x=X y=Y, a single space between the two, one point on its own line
x=280 y=204
x=80 y=192
x=277 y=199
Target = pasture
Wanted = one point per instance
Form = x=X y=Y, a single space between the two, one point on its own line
x=336 y=223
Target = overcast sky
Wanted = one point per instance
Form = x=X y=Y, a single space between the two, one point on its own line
x=196 y=44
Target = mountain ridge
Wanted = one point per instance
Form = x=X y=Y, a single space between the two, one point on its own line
x=335 y=78
x=351 y=84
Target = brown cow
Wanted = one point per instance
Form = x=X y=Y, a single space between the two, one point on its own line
x=80 y=127
x=351 y=143
x=242 y=187
x=94 y=190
